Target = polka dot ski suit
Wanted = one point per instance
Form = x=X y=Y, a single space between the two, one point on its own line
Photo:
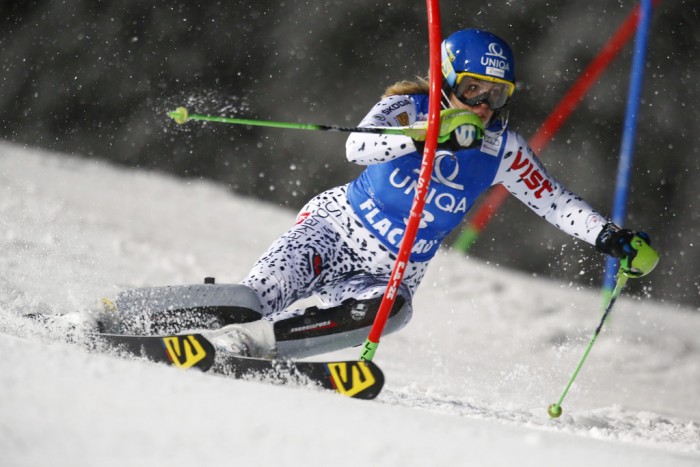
x=345 y=240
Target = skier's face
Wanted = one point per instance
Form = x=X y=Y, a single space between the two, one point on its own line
x=482 y=110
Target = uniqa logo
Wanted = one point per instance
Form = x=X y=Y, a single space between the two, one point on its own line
x=447 y=180
x=494 y=58
x=496 y=50
x=436 y=196
x=439 y=175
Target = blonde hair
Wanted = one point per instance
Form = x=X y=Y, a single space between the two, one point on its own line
x=421 y=86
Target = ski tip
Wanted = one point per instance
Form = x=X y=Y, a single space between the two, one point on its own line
x=182 y=350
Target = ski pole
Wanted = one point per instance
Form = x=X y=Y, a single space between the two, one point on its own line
x=641 y=264
x=426 y=170
x=451 y=119
x=181 y=116
x=554 y=410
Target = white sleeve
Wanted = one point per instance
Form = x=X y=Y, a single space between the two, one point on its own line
x=368 y=148
x=522 y=173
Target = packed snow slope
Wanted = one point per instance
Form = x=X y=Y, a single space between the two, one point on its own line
x=468 y=381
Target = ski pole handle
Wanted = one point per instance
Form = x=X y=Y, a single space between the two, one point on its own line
x=642 y=262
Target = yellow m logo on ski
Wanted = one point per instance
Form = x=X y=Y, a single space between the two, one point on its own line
x=184 y=351
x=351 y=378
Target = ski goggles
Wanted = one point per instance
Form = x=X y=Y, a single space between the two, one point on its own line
x=472 y=90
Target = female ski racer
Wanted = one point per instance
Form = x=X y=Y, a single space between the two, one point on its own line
x=345 y=241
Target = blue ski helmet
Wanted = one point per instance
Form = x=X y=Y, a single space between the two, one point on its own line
x=481 y=55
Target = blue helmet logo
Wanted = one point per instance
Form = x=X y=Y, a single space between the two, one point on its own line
x=477 y=53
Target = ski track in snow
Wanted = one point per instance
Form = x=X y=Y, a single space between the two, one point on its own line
x=485 y=345
x=613 y=423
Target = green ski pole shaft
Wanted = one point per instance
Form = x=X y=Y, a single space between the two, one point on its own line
x=181 y=116
x=555 y=410
x=639 y=264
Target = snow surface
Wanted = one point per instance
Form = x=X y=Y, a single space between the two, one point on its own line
x=468 y=381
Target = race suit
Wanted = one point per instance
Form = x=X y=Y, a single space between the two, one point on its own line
x=345 y=241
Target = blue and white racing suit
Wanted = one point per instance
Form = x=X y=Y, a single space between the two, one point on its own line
x=345 y=240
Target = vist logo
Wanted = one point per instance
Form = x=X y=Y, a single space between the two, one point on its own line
x=530 y=175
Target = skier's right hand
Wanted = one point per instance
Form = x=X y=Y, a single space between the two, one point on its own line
x=459 y=129
x=637 y=257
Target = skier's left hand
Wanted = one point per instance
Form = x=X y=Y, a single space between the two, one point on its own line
x=637 y=257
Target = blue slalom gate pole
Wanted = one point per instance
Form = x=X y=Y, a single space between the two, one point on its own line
x=626 y=149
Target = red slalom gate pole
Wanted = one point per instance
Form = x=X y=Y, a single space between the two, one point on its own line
x=426 y=170
x=553 y=123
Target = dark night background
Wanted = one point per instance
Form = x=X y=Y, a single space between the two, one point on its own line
x=95 y=79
